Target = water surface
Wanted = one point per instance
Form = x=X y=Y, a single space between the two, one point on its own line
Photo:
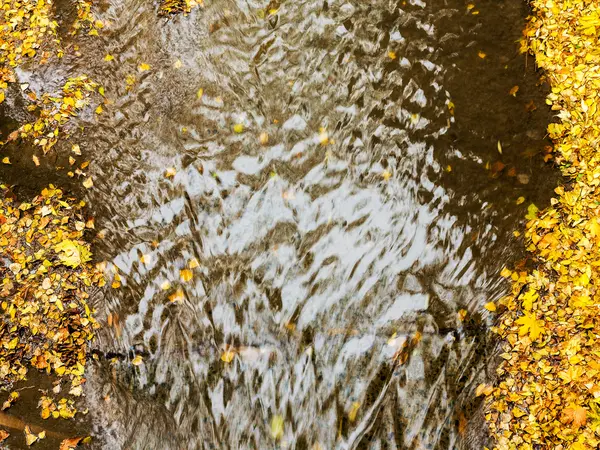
x=316 y=261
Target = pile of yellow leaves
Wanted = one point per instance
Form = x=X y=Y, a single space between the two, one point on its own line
x=548 y=390
x=45 y=279
x=177 y=6
x=54 y=111
x=26 y=30
x=86 y=19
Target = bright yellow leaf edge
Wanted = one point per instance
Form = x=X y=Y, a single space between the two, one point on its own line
x=547 y=391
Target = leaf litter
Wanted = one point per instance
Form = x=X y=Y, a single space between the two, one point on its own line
x=547 y=393
x=46 y=277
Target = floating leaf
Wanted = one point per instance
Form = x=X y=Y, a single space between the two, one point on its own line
x=186 y=275
x=277 y=427
x=532 y=211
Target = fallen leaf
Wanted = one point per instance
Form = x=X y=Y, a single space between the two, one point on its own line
x=71 y=443
x=491 y=306
x=576 y=415
x=532 y=211
x=30 y=437
x=72 y=254
x=264 y=138
x=277 y=427
x=530 y=325
x=353 y=411
x=227 y=356
x=186 y=275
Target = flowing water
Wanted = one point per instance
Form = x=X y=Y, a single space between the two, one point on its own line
x=316 y=263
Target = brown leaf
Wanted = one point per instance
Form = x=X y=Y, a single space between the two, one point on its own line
x=3 y=435
x=575 y=415
x=70 y=443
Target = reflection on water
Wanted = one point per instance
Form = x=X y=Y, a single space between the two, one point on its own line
x=371 y=213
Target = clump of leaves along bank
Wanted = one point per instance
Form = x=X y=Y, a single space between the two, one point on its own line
x=46 y=279
x=548 y=390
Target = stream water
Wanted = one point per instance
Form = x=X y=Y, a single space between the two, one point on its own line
x=315 y=262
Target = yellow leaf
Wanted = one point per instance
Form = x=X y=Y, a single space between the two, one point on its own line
x=227 y=356
x=88 y=183
x=177 y=296
x=138 y=360
x=451 y=107
x=200 y=93
x=143 y=67
x=277 y=427
x=30 y=438
x=481 y=54
x=532 y=211
x=186 y=275
x=530 y=325
x=6 y=160
x=513 y=91
x=491 y=306
x=483 y=389
x=72 y=254
x=109 y=57
x=528 y=298
x=238 y=128
x=353 y=411
x=516 y=412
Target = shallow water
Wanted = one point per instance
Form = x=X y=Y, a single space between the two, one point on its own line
x=313 y=267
